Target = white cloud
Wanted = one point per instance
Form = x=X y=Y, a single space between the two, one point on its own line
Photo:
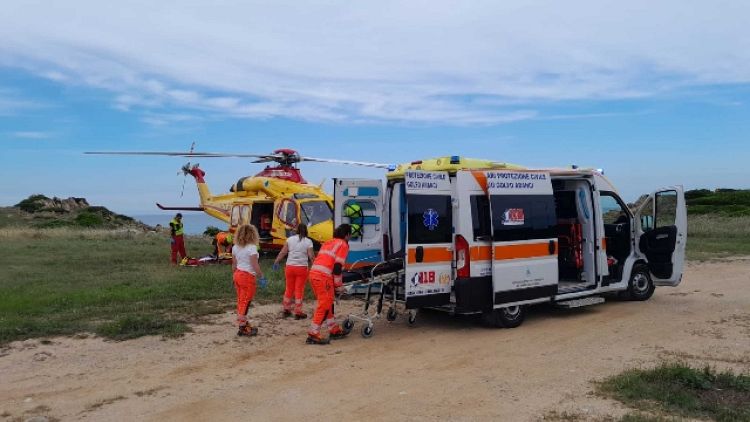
x=481 y=62
x=31 y=135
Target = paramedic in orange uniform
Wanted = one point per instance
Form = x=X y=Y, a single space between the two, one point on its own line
x=223 y=244
x=300 y=249
x=325 y=279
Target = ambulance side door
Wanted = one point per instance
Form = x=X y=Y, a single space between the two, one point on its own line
x=662 y=234
x=366 y=249
x=524 y=239
x=429 y=239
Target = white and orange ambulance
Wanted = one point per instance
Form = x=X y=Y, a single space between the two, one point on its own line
x=478 y=236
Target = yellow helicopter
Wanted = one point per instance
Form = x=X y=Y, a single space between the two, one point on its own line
x=275 y=200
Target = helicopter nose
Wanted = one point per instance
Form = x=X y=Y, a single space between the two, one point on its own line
x=322 y=231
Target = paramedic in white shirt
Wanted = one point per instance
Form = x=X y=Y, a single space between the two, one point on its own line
x=246 y=270
x=300 y=249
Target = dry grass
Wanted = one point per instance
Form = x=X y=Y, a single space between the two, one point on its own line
x=707 y=226
x=713 y=236
x=16 y=233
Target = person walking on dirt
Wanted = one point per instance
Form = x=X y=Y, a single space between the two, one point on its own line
x=177 y=240
x=326 y=278
x=299 y=248
x=246 y=270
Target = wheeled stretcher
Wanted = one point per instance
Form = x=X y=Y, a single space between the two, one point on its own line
x=382 y=282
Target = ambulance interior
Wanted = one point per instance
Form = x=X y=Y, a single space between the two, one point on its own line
x=575 y=234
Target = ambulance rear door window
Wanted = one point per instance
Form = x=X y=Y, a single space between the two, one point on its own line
x=480 y=217
x=523 y=217
x=430 y=219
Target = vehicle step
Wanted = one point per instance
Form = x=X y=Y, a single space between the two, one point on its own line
x=577 y=303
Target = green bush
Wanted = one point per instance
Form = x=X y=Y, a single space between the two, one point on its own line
x=31 y=204
x=88 y=219
x=211 y=231
x=697 y=193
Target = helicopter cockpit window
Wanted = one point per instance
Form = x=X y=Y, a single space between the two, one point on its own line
x=314 y=212
x=288 y=213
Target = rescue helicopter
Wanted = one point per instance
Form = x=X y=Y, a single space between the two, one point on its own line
x=275 y=200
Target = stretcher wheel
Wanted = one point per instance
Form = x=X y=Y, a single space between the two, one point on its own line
x=412 y=318
x=391 y=315
x=367 y=331
x=348 y=324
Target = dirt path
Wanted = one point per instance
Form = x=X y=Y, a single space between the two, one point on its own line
x=442 y=368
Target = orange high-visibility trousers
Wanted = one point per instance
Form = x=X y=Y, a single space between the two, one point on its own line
x=244 y=283
x=296 y=277
x=322 y=286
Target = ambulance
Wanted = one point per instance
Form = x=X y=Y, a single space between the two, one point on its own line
x=478 y=236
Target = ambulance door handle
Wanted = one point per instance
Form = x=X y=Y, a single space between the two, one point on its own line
x=419 y=254
x=552 y=247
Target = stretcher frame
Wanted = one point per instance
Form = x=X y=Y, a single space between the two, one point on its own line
x=392 y=290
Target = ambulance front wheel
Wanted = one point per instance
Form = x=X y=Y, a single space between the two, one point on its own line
x=508 y=317
x=641 y=287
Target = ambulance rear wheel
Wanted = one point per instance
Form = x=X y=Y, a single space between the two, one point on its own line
x=641 y=287
x=508 y=317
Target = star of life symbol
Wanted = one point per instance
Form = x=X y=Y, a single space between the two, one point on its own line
x=430 y=219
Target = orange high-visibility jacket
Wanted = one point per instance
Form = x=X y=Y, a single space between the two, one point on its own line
x=331 y=253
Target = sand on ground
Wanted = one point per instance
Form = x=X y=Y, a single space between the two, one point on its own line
x=442 y=368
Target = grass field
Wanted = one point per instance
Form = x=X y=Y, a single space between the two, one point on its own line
x=714 y=236
x=117 y=284
x=683 y=391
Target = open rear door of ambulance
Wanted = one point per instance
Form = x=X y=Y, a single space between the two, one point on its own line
x=662 y=231
x=524 y=239
x=360 y=202
x=429 y=239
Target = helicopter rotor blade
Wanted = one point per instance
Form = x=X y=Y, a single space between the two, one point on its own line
x=260 y=158
x=353 y=163
x=183 y=154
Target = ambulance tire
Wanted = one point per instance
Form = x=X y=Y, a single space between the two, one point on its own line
x=510 y=317
x=641 y=287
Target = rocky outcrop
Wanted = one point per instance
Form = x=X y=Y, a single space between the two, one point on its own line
x=65 y=205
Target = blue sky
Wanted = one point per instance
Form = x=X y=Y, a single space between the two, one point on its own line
x=655 y=94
